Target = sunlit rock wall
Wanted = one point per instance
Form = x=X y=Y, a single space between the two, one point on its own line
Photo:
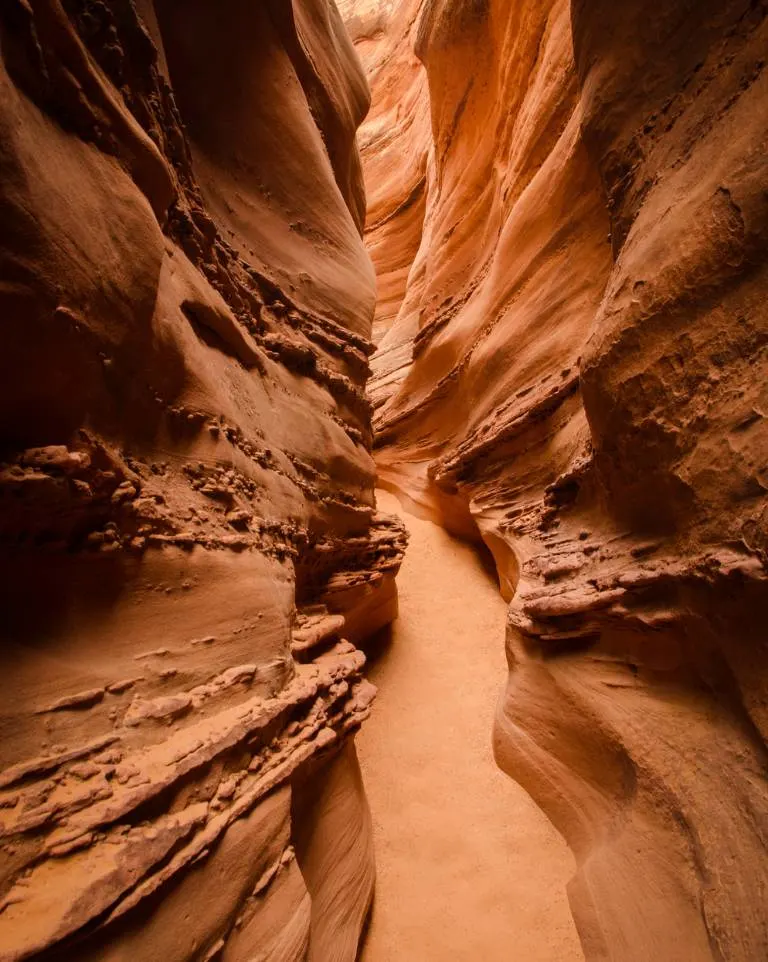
x=187 y=523
x=394 y=140
x=577 y=374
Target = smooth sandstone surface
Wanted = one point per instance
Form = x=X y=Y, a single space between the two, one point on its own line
x=467 y=866
x=395 y=140
x=576 y=375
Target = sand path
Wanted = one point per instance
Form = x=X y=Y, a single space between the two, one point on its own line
x=468 y=868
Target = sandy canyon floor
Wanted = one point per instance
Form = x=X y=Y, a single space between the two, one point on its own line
x=468 y=868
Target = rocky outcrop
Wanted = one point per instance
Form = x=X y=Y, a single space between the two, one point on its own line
x=188 y=538
x=576 y=375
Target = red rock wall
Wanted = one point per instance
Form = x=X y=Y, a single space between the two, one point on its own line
x=577 y=375
x=395 y=141
x=187 y=523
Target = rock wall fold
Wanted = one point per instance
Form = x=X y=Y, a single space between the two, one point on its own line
x=576 y=375
x=188 y=539
x=395 y=139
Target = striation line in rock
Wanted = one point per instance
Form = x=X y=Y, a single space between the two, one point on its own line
x=576 y=377
x=189 y=542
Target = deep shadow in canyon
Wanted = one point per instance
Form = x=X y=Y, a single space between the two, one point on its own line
x=508 y=260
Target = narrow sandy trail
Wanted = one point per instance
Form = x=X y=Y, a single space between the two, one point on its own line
x=468 y=868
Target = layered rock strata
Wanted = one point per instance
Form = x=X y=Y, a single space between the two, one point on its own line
x=188 y=539
x=577 y=375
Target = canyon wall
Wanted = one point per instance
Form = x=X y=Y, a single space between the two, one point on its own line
x=395 y=139
x=189 y=547
x=576 y=375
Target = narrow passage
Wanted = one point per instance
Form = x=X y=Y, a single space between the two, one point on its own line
x=468 y=868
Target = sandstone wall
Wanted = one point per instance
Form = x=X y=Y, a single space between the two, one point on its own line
x=577 y=375
x=395 y=139
x=187 y=522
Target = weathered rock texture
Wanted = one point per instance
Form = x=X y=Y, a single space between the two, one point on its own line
x=187 y=526
x=577 y=374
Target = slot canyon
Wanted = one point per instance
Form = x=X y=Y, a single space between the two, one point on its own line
x=383 y=473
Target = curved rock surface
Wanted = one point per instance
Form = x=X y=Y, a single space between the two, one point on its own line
x=577 y=376
x=189 y=542
x=395 y=144
x=568 y=218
